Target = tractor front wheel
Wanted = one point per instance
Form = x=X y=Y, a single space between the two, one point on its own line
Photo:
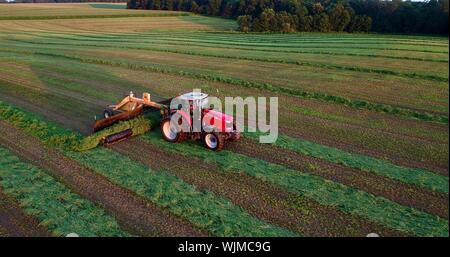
x=214 y=141
x=170 y=133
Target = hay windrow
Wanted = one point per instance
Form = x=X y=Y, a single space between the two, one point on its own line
x=64 y=139
x=139 y=125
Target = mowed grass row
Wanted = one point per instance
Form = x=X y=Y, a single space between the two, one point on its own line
x=53 y=204
x=382 y=88
x=202 y=208
x=415 y=93
x=382 y=167
x=354 y=103
x=119 y=24
x=291 y=40
x=73 y=10
x=184 y=200
x=431 y=45
x=388 y=54
x=287 y=54
x=310 y=60
x=169 y=37
x=65 y=92
x=418 y=177
x=347 y=199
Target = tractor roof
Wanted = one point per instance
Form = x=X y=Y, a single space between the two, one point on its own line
x=191 y=96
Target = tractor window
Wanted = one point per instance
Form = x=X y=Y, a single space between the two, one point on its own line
x=205 y=103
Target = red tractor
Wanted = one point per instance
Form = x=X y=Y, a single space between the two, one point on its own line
x=213 y=128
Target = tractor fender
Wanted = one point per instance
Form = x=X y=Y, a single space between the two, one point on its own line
x=186 y=116
x=187 y=121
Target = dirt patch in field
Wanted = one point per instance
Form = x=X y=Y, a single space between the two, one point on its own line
x=133 y=213
x=261 y=199
x=396 y=191
x=15 y=223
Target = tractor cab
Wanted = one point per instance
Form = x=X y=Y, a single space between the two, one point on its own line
x=196 y=100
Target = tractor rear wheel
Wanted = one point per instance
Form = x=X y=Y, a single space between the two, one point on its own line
x=214 y=141
x=170 y=133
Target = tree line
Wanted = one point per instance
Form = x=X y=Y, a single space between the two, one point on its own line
x=396 y=16
x=62 y=1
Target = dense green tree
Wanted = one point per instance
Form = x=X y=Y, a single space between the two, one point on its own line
x=266 y=20
x=393 y=16
x=339 y=18
x=214 y=7
x=244 y=23
x=318 y=8
x=321 y=22
x=194 y=7
x=156 y=4
x=284 y=22
x=228 y=10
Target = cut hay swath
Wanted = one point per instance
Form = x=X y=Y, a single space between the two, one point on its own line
x=382 y=95
x=138 y=125
x=52 y=203
x=419 y=177
x=354 y=103
x=326 y=192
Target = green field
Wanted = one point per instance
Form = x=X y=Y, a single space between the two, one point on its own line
x=363 y=121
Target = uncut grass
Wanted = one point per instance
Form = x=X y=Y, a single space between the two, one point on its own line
x=202 y=208
x=410 y=140
x=55 y=206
